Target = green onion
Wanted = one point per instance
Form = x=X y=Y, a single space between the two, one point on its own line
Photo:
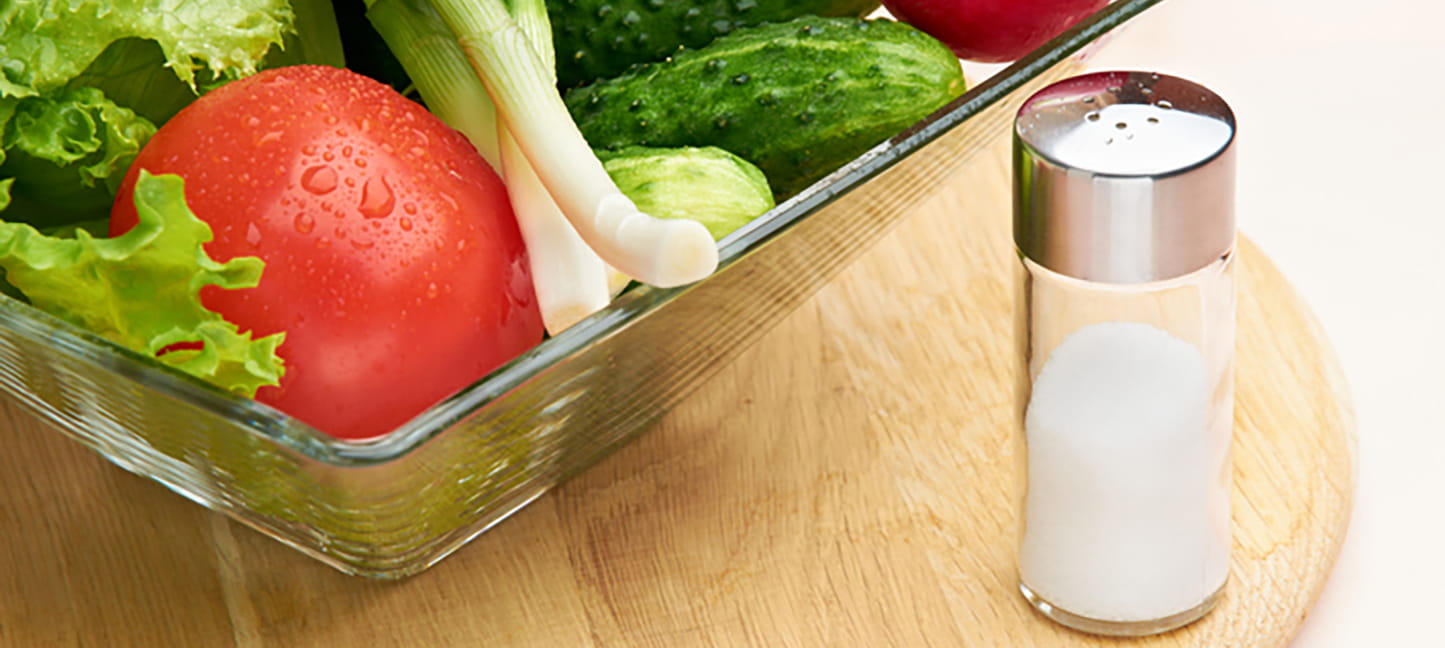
x=459 y=53
x=570 y=280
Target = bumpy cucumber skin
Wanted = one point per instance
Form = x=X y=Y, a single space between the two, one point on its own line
x=797 y=99
x=598 y=39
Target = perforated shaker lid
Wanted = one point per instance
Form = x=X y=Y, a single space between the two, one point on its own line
x=1124 y=177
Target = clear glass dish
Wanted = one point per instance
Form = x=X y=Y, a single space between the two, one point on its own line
x=392 y=507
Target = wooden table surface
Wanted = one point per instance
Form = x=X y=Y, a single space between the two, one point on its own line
x=845 y=482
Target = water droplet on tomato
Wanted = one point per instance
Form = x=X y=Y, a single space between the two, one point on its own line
x=309 y=149
x=319 y=179
x=461 y=244
x=346 y=151
x=330 y=120
x=409 y=208
x=377 y=200
x=328 y=156
x=363 y=244
x=304 y=223
x=253 y=235
x=360 y=162
x=404 y=224
x=431 y=291
x=350 y=181
x=253 y=121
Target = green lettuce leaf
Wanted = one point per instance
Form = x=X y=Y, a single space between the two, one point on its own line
x=132 y=72
x=84 y=82
x=46 y=43
x=141 y=289
x=67 y=153
x=59 y=59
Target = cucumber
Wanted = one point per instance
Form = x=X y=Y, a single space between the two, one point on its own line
x=797 y=99
x=597 y=39
x=709 y=185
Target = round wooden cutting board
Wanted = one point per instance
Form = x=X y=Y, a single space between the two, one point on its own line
x=845 y=482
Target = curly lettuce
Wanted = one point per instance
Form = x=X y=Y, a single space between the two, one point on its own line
x=67 y=152
x=142 y=289
x=83 y=84
x=49 y=42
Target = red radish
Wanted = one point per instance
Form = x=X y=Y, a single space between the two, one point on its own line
x=993 y=31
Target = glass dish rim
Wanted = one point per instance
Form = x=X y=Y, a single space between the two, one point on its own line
x=280 y=428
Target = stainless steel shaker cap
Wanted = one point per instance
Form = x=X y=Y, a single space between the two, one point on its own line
x=1124 y=177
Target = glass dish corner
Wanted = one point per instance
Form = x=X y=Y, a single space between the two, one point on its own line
x=392 y=507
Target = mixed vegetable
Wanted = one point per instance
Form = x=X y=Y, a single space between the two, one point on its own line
x=207 y=182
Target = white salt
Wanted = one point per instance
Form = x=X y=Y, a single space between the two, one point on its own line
x=1127 y=510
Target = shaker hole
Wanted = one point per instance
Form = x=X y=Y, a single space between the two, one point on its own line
x=1153 y=120
x=1093 y=116
x=1165 y=104
x=1121 y=125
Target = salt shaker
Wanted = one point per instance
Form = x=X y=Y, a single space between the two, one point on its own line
x=1124 y=224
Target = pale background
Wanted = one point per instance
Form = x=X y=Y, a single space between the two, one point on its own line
x=1341 y=108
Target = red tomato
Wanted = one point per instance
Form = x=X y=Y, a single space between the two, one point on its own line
x=992 y=30
x=393 y=260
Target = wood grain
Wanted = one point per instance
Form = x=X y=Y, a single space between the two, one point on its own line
x=848 y=481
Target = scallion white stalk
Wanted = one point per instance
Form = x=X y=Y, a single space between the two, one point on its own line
x=569 y=279
x=576 y=279
x=659 y=252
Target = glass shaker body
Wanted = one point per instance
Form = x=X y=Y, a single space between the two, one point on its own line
x=1126 y=325
x=1126 y=421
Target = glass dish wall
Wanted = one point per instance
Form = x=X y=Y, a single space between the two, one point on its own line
x=393 y=507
